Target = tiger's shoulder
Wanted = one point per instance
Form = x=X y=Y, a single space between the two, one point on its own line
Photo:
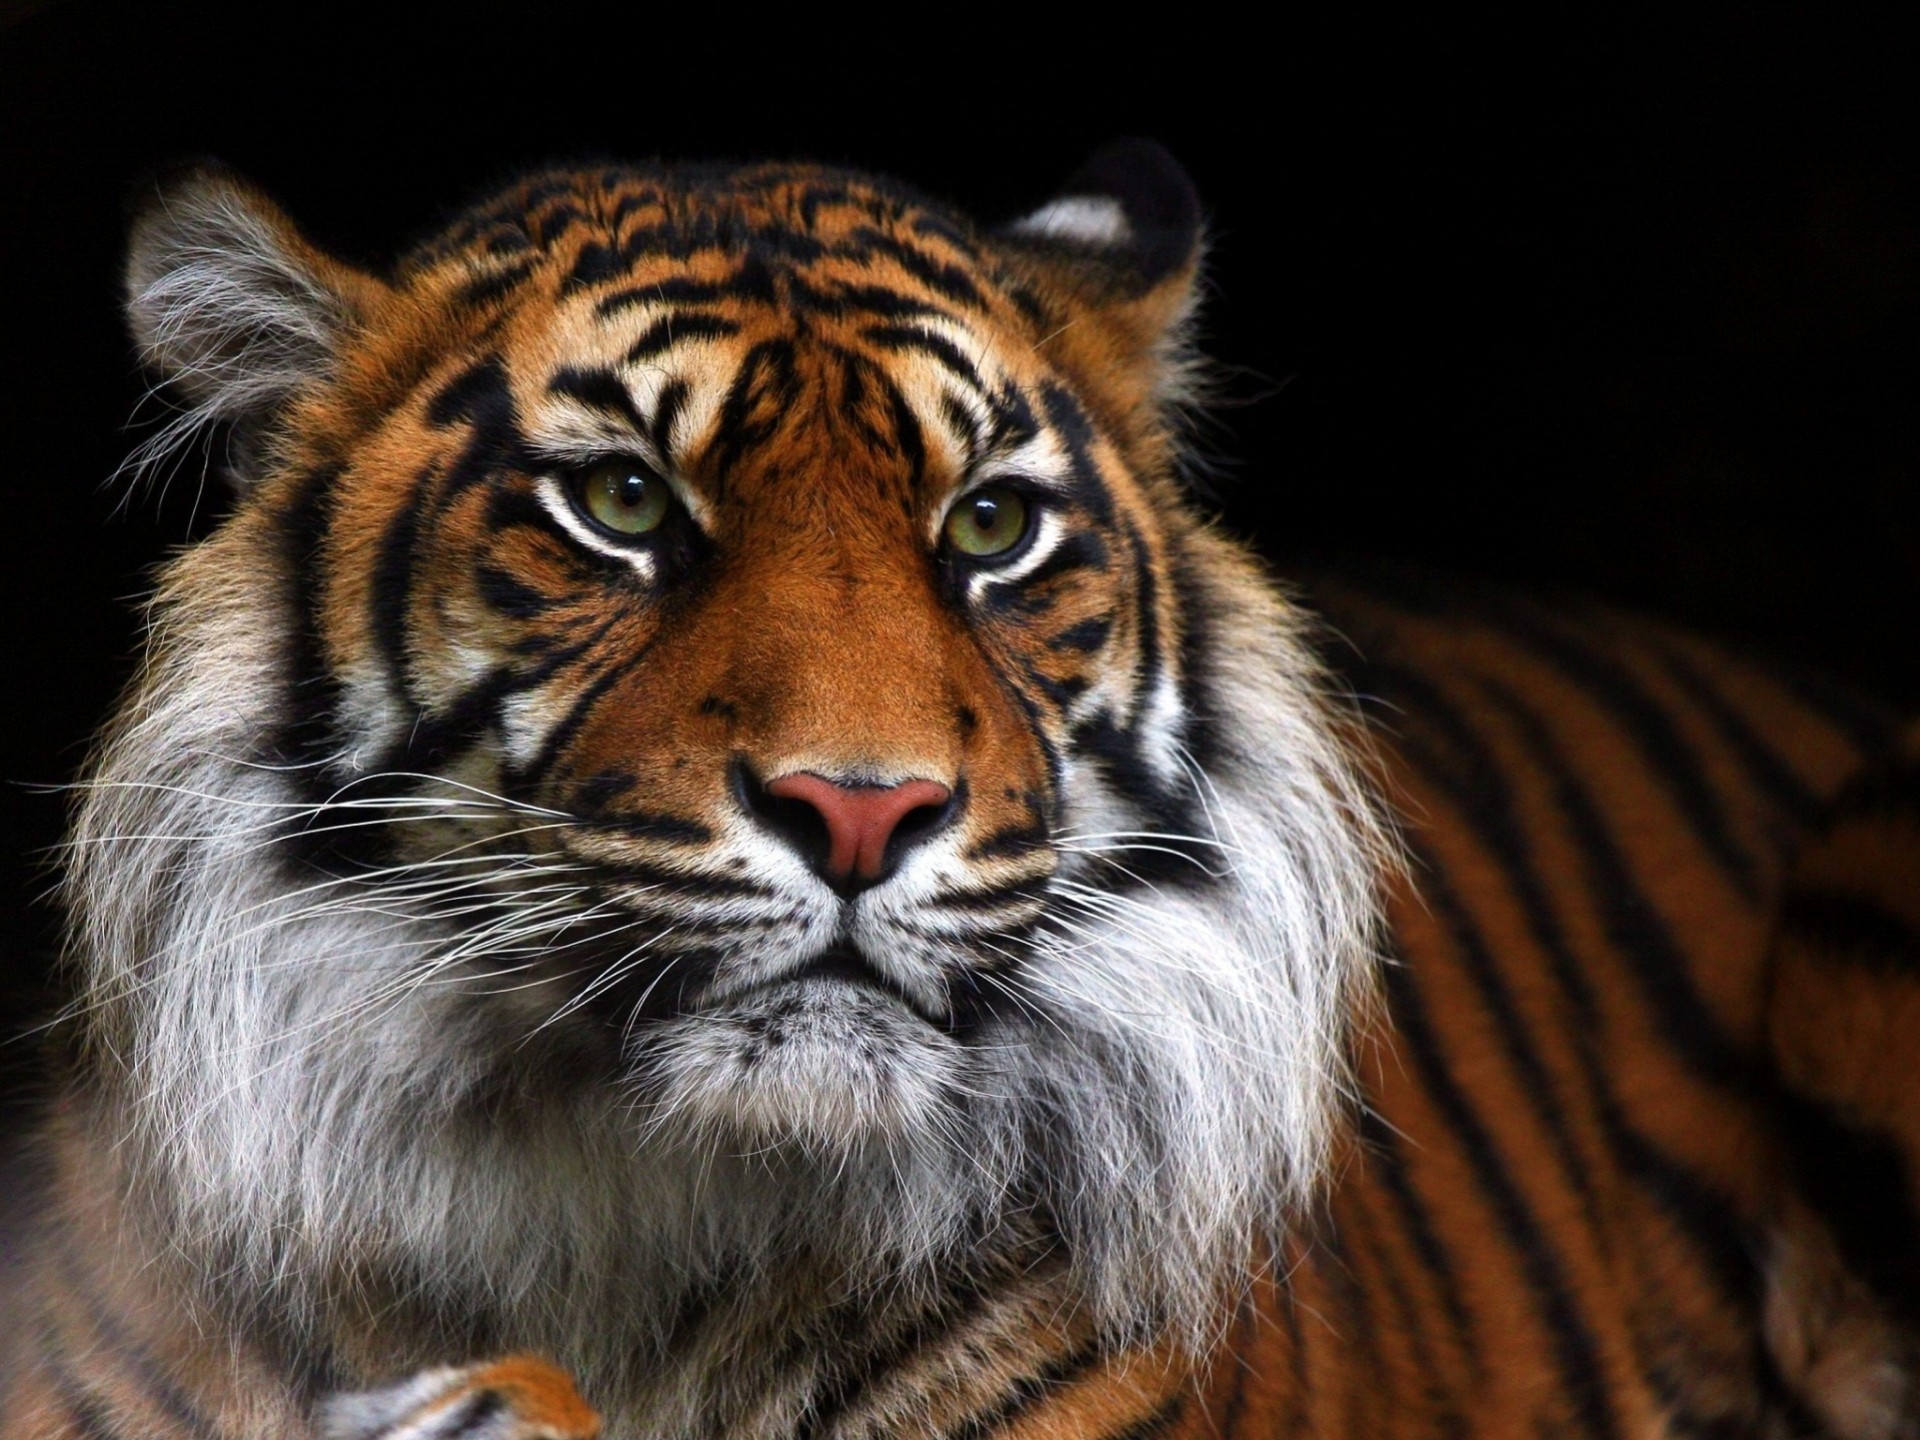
x=1631 y=1157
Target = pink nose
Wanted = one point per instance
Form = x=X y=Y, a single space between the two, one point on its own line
x=860 y=819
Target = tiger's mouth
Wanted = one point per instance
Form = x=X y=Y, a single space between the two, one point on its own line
x=845 y=965
x=684 y=988
x=842 y=965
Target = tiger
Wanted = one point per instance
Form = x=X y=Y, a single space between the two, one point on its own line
x=719 y=843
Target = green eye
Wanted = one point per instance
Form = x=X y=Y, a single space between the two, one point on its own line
x=987 y=522
x=623 y=497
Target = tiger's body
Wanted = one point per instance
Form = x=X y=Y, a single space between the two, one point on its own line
x=714 y=815
x=1576 y=1202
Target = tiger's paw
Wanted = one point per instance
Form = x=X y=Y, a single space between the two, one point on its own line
x=518 y=1398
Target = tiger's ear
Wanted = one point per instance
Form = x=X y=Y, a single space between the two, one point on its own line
x=229 y=302
x=1130 y=208
x=1121 y=244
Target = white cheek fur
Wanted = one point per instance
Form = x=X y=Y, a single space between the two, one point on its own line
x=1211 y=1017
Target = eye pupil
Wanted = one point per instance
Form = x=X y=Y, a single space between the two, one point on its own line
x=622 y=497
x=988 y=523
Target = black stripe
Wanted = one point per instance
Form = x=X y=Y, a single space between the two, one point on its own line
x=563 y=734
x=681 y=882
x=931 y=223
x=1162 y=1418
x=1763 y=764
x=599 y=390
x=390 y=588
x=1360 y=1331
x=1240 y=1339
x=1302 y=1395
x=1152 y=660
x=765 y=379
x=1411 y=1324
x=472 y=1415
x=1077 y=437
x=1575 y=1351
x=948 y=280
x=507 y=594
x=146 y=1376
x=1868 y=725
x=960 y=422
x=1542 y=1091
x=935 y=347
x=1201 y=733
x=858 y=1370
x=438 y=735
x=879 y=300
x=304 y=738
x=1060 y=692
x=595 y=263
x=497 y=286
x=1633 y=926
x=907 y=433
x=669 y=330
x=477 y=392
x=509 y=509
x=1383 y=1146
x=983 y=901
x=1169 y=810
x=1012 y=840
x=666 y=410
x=1704 y=1214
x=548 y=225
x=1030 y=1391
x=675 y=290
x=1014 y=422
x=1085 y=636
x=1613 y=687
x=1886 y=791
x=854 y=372
x=89 y=1417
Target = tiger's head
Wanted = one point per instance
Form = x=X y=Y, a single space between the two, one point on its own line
x=712 y=733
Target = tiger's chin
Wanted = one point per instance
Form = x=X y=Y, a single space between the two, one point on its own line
x=820 y=1062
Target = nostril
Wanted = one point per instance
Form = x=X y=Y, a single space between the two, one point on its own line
x=921 y=821
x=850 y=834
x=793 y=820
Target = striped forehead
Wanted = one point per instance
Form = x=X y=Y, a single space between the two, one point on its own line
x=650 y=364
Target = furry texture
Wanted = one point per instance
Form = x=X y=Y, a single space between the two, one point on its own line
x=367 y=1098
x=232 y=308
x=458 y=980
x=1188 y=1089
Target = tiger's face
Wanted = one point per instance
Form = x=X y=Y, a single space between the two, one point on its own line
x=750 y=539
x=716 y=669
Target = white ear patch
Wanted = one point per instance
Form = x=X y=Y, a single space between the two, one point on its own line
x=1088 y=219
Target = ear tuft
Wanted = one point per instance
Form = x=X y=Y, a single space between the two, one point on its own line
x=228 y=301
x=1131 y=202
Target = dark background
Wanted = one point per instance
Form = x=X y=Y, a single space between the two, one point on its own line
x=1635 y=312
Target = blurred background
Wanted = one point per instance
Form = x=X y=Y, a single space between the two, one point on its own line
x=1634 y=312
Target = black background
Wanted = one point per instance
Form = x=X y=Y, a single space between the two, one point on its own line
x=1625 y=311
